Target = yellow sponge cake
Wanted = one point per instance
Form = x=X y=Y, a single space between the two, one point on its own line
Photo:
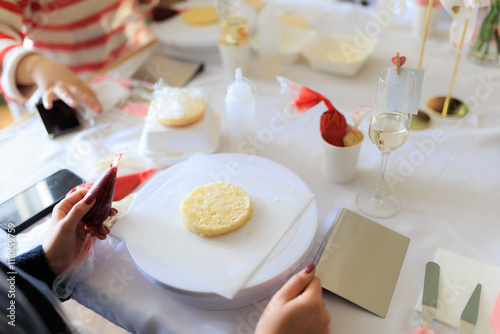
x=216 y=208
x=198 y=16
x=177 y=107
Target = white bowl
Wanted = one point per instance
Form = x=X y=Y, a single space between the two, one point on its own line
x=339 y=54
x=293 y=40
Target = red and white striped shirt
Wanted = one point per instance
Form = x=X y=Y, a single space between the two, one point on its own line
x=84 y=35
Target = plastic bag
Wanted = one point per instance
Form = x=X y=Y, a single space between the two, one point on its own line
x=297 y=99
x=103 y=190
x=290 y=93
x=93 y=258
x=168 y=99
x=124 y=185
x=64 y=284
x=353 y=135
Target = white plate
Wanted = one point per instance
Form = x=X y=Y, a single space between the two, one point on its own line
x=289 y=253
x=338 y=54
x=177 y=33
x=293 y=41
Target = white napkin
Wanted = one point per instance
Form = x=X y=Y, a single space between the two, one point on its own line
x=109 y=93
x=221 y=264
x=459 y=276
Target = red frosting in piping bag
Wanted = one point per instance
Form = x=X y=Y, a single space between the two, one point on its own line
x=124 y=185
x=103 y=190
x=333 y=125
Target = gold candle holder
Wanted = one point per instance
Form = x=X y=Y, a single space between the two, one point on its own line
x=420 y=121
x=448 y=106
x=455 y=108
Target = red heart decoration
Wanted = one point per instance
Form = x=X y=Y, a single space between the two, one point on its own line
x=402 y=60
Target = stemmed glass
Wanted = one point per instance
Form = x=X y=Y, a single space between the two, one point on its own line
x=389 y=127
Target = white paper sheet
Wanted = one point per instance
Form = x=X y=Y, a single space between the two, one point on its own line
x=458 y=278
x=220 y=264
x=395 y=94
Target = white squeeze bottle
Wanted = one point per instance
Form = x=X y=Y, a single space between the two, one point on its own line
x=240 y=108
x=269 y=41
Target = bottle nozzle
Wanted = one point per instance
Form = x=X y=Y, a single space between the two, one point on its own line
x=241 y=87
x=238 y=75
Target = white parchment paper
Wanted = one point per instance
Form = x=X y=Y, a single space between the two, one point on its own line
x=219 y=264
x=458 y=278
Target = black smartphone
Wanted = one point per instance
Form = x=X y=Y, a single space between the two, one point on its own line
x=59 y=120
x=29 y=206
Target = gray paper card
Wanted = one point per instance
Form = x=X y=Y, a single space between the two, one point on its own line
x=174 y=72
x=361 y=261
x=419 y=75
x=396 y=96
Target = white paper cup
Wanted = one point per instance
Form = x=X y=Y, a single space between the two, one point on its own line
x=340 y=162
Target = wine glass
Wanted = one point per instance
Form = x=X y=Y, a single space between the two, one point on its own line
x=389 y=127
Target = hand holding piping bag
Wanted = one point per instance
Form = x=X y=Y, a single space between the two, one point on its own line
x=103 y=190
x=100 y=196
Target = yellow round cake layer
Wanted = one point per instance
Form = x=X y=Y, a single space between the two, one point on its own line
x=179 y=108
x=203 y=15
x=216 y=208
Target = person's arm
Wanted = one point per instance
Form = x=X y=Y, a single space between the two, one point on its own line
x=55 y=81
x=35 y=263
x=64 y=240
x=297 y=308
x=11 y=49
x=24 y=70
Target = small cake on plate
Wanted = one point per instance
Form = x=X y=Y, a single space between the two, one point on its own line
x=203 y=15
x=216 y=208
x=178 y=107
x=179 y=123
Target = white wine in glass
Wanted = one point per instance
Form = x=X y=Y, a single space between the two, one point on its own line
x=389 y=128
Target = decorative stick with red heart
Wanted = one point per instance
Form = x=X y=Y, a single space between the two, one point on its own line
x=398 y=61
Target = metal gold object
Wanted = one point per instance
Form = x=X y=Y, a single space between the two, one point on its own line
x=456 y=108
x=420 y=121
x=451 y=107
x=361 y=261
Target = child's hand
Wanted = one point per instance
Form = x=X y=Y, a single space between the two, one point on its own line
x=55 y=82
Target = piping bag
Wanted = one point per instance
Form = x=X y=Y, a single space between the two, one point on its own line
x=297 y=99
x=124 y=185
x=83 y=266
x=103 y=189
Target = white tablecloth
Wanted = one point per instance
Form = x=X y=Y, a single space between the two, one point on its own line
x=447 y=178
